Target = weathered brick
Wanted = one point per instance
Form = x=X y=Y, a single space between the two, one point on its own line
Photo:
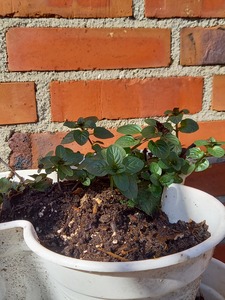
x=210 y=181
x=17 y=103
x=87 y=48
x=218 y=95
x=20 y=145
x=202 y=46
x=185 y=8
x=125 y=98
x=66 y=8
x=220 y=252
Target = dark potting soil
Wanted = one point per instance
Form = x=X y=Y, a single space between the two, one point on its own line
x=94 y=224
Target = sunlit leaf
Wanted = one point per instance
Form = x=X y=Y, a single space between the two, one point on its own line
x=202 y=166
x=129 y=129
x=216 y=151
x=155 y=168
x=127 y=141
x=188 y=126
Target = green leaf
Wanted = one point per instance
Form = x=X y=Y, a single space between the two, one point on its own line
x=133 y=164
x=80 y=122
x=168 y=126
x=127 y=185
x=147 y=202
x=64 y=171
x=129 y=129
x=70 y=124
x=145 y=175
x=127 y=141
x=48 y=162
x=168 y=112
x=150 y=122
x=163 y=165
x=154 y=178
x=202 y=166
x=159 y=148
x=185 y=111
x=188 y=126
x=178 y=179
x=5 y=185
x=89 y=122
x=155 y=168
x=102 y=133
x=175 y=118
x=81 y=136
x=60 y=151
x=68 y=138
x=115 y=155
x=195 y=153
x=121 y=181
x=174 y=162
x=173 y=143
x=200 y=143
x=149 y=132
x=187 y=168
x=167 y=179
x=86 y=182
x=156 y=190
x=98 y=168
x=216 y=151
x=68 y=156
x=172 y=139
x=97 y=148
x=41 y=186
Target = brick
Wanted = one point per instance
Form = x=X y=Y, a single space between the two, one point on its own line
x=17 y=103
x=87 y=48
x=185 y=8
x=210 y=181
x=206 y=130
x=219 y=252
x=124 y=98
x=66 y=8
x=202 y=46
x=20 y=145
x=218 y=98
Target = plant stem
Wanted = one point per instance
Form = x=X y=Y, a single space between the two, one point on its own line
x=111 y=182
x=177 y=130
x=58 y=181
x=13 y=171
x=90 y=141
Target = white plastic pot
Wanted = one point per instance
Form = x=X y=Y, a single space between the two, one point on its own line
x=172 y=277
x=213 y=281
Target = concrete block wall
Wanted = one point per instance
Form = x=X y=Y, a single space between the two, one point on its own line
x=119 y=60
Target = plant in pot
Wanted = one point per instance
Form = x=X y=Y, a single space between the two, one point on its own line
x=116 y=222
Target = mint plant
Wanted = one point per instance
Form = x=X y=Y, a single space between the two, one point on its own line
x=140 y=163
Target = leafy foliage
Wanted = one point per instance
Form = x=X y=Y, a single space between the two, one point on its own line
x=140 y=163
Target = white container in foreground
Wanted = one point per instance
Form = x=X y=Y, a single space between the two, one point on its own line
x=172 y=277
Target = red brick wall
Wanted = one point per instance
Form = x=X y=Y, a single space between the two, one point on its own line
x=119 y=59
x=113 y=59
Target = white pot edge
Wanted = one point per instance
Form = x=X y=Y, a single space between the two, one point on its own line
x=213 y=281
